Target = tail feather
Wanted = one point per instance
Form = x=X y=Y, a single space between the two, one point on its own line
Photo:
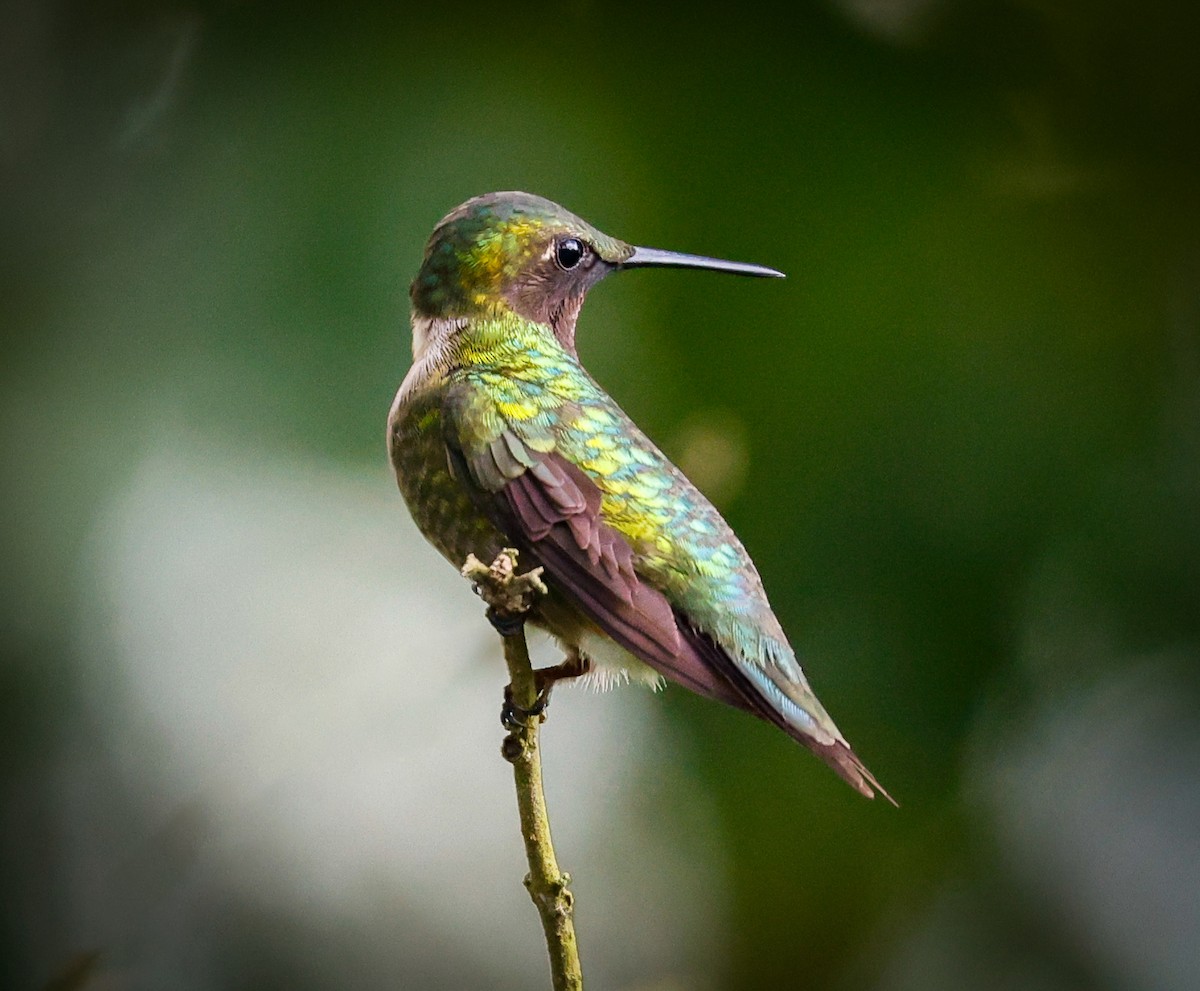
x=847 y=764
x=772 y=696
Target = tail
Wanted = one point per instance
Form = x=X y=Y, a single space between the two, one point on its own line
x=846 y=763
x=776 y=692
x=781 y=695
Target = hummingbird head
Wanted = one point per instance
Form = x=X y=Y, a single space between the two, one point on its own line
x=519 y=252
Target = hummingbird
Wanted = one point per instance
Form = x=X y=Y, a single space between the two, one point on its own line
x=499 y=437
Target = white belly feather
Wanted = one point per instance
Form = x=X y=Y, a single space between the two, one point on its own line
x=612 y=665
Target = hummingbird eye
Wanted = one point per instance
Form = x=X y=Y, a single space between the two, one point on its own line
x=569 y=252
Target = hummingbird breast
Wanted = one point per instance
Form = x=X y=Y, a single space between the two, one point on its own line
x=442 y=509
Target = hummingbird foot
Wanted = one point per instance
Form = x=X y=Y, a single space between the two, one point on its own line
x=504 y=623
x=574 y=666
x=515 y=718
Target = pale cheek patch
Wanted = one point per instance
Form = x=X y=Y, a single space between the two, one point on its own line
x=429 y=335
x=420 y=336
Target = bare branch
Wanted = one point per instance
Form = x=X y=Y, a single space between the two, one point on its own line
x=509 y=597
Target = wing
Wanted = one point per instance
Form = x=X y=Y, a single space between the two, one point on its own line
x=551 y=509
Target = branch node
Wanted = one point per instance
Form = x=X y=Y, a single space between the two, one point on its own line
x=512 y=748
x=509 y=596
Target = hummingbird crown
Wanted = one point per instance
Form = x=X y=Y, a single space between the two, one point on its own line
x=512 y=250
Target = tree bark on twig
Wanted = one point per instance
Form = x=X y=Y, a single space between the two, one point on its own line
x=509 y=597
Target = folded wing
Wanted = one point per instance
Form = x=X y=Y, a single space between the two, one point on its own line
x=551 y=509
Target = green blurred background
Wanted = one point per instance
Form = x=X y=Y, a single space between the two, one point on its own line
x=961 y=441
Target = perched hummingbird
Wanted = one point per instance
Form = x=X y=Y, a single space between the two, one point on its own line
x=499 y=437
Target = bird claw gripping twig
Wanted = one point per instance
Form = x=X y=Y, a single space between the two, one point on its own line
x=515 y=718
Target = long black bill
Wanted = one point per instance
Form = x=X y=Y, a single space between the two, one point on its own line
x=655 y=258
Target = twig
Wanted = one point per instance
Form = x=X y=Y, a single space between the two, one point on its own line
x=509 y=597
